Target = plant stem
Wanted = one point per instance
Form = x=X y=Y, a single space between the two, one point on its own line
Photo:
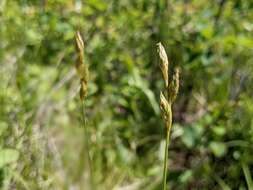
x=165 y=167
x=247 y=175
x=87 y=146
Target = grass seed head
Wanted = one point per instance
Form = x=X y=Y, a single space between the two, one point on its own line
x=164 y=63
x=81 y=67
x=79 y=41
x=166 y=110
x=83 y=89
x=171 y=88
x=174 y=86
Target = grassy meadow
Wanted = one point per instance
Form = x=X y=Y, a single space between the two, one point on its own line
x=114 y=136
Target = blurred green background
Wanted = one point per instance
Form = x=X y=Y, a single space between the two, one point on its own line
x=42 y=145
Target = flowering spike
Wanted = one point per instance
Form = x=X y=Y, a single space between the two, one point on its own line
x=164 y=63
x=166 y=110
x=81 y=67
x=174 y=86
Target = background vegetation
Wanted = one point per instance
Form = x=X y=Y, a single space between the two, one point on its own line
x=41 y=141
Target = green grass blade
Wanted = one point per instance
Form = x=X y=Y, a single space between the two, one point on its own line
x=248 y=176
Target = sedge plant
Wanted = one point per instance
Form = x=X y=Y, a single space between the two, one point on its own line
x=167 y=98
x=83 y=73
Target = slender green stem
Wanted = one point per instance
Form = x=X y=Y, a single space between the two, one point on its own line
x=87 y=146
x=165 y=167
x=247 y=175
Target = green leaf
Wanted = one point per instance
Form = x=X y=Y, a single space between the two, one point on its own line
x=139 y=83
x=188 y=137
x=218 y=148
x=219 y=130
x=8 y=156
x=3 y=127
x=207 y=32
x=186 y=176
x=98 y=4
x=192 y=135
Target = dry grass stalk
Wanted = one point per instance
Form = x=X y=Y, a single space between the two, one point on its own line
x=83 y=73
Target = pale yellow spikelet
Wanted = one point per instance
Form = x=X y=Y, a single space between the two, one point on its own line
x=83 y=89
x=164 y=104
x=174 y=86
x=164 y=63
x=166 y=110
x=79 y=41
x=81 y=67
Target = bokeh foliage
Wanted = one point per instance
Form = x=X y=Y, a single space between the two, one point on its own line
x=40 y=134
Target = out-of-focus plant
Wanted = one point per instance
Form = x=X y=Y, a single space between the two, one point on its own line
x=83 y=73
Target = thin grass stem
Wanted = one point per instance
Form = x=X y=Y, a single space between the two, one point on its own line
x=87 y=146
x=165 y=166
